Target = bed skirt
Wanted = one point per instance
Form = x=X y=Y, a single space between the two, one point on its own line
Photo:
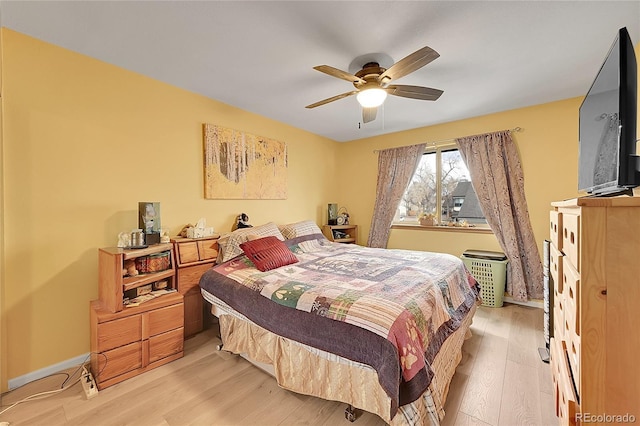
x=310 y=371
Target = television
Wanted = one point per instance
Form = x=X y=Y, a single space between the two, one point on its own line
x=607 y=163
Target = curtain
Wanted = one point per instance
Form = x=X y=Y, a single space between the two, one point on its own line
x=496 y=176
x=396 y=167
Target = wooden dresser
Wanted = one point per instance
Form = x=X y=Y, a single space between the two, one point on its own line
x=595 y=267
x=134 y=340
x=194 y=256
x=129 y=339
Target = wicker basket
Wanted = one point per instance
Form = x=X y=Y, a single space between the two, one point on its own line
x=154 y=263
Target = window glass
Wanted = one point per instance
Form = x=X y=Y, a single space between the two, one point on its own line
x=441 y=188
x=420 y=196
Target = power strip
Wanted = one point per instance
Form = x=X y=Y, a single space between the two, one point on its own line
x=88 y=384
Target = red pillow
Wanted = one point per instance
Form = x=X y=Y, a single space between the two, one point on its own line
x=268 y=253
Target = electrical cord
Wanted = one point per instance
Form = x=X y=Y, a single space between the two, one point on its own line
x=106 y=361
x=42 y=395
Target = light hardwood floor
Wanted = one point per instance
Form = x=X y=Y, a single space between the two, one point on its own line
x=500 y=381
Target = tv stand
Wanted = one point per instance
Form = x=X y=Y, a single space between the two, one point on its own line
x=614 y=193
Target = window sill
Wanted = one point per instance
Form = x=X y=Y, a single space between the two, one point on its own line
x=469 y=229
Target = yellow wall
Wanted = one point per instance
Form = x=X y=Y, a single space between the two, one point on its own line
x=548 y=148
x=83 y=142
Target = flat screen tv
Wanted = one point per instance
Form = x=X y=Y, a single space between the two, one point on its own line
x=607 y=163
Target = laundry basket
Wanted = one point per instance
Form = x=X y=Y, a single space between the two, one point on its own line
x=489 y=268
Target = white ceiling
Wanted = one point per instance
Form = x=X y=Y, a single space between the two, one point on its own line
x=259 y=56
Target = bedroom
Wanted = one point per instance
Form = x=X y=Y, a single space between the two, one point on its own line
x=84 y=141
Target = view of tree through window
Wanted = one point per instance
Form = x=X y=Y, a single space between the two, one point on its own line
x=441 y=187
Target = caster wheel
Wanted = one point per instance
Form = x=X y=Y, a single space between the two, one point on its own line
x=350 y=414
x=219 y=347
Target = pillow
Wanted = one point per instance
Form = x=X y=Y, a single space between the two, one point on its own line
x=268 y=253
x=299 y=229
x=230 y=243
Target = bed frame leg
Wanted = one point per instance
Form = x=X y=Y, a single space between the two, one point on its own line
x=350 y=413
x=219 y=347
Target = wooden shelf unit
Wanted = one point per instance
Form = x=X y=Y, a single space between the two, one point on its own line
x=594 y=266
x=351 y=230
x=127 y=341
x=112 y=280
x=193 y=257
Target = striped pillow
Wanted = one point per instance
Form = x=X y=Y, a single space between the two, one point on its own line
x=299 y=229
x=268 y=253
x=230 y=243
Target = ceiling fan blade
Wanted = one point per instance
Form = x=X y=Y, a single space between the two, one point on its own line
x=369 y=114
x=331 y=99
x=415 y=92
x=409 y=64
x=335 y=72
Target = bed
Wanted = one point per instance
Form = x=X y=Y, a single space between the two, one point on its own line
x=378 y=329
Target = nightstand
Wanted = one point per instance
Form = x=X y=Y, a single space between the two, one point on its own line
x=194 y=256
x=333 y=233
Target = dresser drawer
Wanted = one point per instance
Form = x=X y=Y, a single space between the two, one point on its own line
x=558 y=317
x=208 y=249
x=119 y=361
x=189 y=277
x=187 y=252
x=555 y=268
x=572 y=341
x=555 y=231
x=192 y=251
x=571 y=238
x=166 y=344
x=119 y=332
x=564 y=396
x=571 y=293
x=165 y=319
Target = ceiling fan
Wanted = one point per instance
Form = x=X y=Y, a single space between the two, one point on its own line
x=372 y=82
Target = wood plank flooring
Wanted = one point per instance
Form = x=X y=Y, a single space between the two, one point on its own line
x=500 y=381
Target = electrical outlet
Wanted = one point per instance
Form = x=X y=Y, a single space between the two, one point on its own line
x=88 y=384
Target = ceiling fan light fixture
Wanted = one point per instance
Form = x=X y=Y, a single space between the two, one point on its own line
x=372 y=81
x=371 y=98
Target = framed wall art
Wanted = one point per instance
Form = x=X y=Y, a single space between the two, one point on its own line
x=239 y=165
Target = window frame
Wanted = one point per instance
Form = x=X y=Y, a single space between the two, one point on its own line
x=477 y=228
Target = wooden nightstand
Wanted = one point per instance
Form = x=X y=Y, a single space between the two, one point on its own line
x=127 y=340
x=350 y=230
x=134 y=340
x=193 y=257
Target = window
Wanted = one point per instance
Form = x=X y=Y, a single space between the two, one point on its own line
x=441 y=186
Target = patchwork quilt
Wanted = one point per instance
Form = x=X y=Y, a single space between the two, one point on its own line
x=390 y=309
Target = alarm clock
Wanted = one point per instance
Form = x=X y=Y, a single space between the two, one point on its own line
x=343 y=218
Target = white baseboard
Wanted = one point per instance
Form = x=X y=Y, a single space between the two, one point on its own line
x=534 y=303
x=47 y=371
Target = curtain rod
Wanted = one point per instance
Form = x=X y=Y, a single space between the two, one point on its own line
x=433 y=143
